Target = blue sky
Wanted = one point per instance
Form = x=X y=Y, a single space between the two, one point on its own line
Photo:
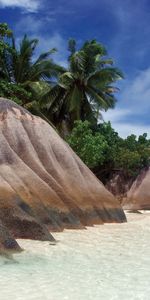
x=123 y=26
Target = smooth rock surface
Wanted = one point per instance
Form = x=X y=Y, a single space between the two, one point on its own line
x=43 y=184
x=138 y=197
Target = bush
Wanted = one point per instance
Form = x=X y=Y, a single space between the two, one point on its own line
x=89 y=145
x=104 y=151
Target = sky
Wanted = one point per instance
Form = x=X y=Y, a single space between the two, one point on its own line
x=123 y=26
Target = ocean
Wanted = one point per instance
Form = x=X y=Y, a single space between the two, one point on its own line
x=106 y=262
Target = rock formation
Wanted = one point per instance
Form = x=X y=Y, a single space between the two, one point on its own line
x=8 y=244
x=43 y=184
x=119 y=185
x=138 y=197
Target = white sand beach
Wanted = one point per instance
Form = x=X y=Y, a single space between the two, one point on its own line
x=109 y=262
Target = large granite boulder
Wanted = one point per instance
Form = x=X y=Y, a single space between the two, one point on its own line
x=119 y=185
x=138 y=197
x=8 y=245
x=43 y=183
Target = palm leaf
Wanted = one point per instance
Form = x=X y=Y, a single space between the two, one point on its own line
x=75 y=101
x=99 y=98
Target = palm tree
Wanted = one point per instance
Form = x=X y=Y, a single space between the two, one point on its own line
x=85 y=88
x=20 y=67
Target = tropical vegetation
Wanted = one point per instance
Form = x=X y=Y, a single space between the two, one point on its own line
x=105 y=152
x=21 y=71
x=86 y=87
x=72 y=99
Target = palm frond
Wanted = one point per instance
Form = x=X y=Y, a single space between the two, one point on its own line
x=71 y=48
x=75 y=101
x=98 y=97
x=105 y=76
x=45 y=55
x=77 y=62
x=66 y=80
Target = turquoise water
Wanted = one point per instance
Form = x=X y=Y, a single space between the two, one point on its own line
x=103 y=262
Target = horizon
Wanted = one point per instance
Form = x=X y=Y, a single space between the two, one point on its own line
x=122 y=28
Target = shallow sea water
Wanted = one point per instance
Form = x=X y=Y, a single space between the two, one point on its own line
x=109 y=262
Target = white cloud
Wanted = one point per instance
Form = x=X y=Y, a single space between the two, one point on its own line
x=29 y=24
x=125 y=128
x=136 y=93
x=116 y=114
x=34 y=27
x=54 y=41
x=28 y=5
x=134 y=105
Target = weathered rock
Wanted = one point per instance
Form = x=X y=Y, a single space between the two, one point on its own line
x=8 y=244
x=138 y=197
x=20 y=223
x=43 y=182
x=119 y=185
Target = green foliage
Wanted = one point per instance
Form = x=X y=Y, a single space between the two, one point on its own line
x=104 y=151
x=20 y=67
x=5 y=48
x=15 y=92
x=71 y=47
x=80 y=92
x=86 y=87
x=113 y=142
x=5 y=31
x=133 y=154
x=128 y=155
x=5 y=34
x=20 y=72
x=88 y=145
x=127 y=160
